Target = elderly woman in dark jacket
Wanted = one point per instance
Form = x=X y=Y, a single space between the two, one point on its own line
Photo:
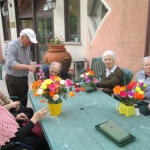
x=112 y=76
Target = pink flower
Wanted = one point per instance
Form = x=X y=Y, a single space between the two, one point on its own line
x=52 y=77
x=123 y=94
x=95 y=80
x=52 y=87
x=68 y=83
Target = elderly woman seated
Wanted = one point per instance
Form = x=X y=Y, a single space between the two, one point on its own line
x=11 y=131
x=56 y=69
x=144 y=75
x=112 y=76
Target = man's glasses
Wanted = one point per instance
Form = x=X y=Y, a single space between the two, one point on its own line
x=54 y=72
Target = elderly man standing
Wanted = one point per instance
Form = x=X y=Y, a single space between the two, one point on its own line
x=18 y=65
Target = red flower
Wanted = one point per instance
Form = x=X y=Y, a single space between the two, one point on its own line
x=77 y=89
x=75 y=85
x=123 y=94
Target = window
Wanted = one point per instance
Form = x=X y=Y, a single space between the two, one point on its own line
x=6 y=26
x=72 y=20
x=98 y=13
x=45 y=30
x=42 y=24
x=97 y=10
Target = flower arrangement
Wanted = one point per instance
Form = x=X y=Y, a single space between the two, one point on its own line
x=39 y=72
x=131 y=94
x=56 y=41
x=53 y=89
x=88 y=81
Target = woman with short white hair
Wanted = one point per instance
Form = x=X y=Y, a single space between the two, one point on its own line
x=112 y=76
x=144 y=75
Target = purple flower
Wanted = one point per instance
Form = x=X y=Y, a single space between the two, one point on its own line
x=130 y=94
x=87 y=80
x=141 y=84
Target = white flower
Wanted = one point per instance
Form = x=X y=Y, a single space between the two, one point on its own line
x=87 y=74
x=62 y=82
x=82 y=75
x=39 y=91
x=55 y=98
x=141 y=81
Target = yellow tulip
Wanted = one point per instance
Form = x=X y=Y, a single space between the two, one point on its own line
x=48 y=81
x=137 y=89
x=43 y=86
x=145 y=85
x=141 y=92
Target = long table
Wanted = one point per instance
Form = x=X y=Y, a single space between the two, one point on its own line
x=75 y=129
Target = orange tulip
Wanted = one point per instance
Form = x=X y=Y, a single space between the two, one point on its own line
x=82 y=89
x=52 y=93
x=35 y=94
x=117 y=90
x=138 y=96
x=36 y=84
x=71 y=94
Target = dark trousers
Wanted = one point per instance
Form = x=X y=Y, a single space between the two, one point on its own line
x=18 y=86
x=35 y=142
x=143 y=108
x=26 y=110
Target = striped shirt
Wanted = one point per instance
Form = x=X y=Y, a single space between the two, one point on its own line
x=16 y=53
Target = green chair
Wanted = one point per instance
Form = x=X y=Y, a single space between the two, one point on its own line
x=98 y=67
x=127 y=77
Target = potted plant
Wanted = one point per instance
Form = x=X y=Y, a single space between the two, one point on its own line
x=54 y=90
x=56 y=41
x=88 y=81
x=129 y=96
x=57 y=52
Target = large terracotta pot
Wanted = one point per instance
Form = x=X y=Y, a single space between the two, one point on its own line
x=59 y=54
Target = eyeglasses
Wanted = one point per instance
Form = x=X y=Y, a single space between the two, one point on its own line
x=54 y=72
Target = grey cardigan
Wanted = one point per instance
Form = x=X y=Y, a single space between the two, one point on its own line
x=141 y=76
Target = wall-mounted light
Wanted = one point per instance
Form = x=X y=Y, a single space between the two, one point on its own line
x=51 y=4
x=5 y=10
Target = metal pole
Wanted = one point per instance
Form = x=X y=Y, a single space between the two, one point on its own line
x=147 y=41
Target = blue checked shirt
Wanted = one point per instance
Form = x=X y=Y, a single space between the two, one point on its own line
x=16 y=53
